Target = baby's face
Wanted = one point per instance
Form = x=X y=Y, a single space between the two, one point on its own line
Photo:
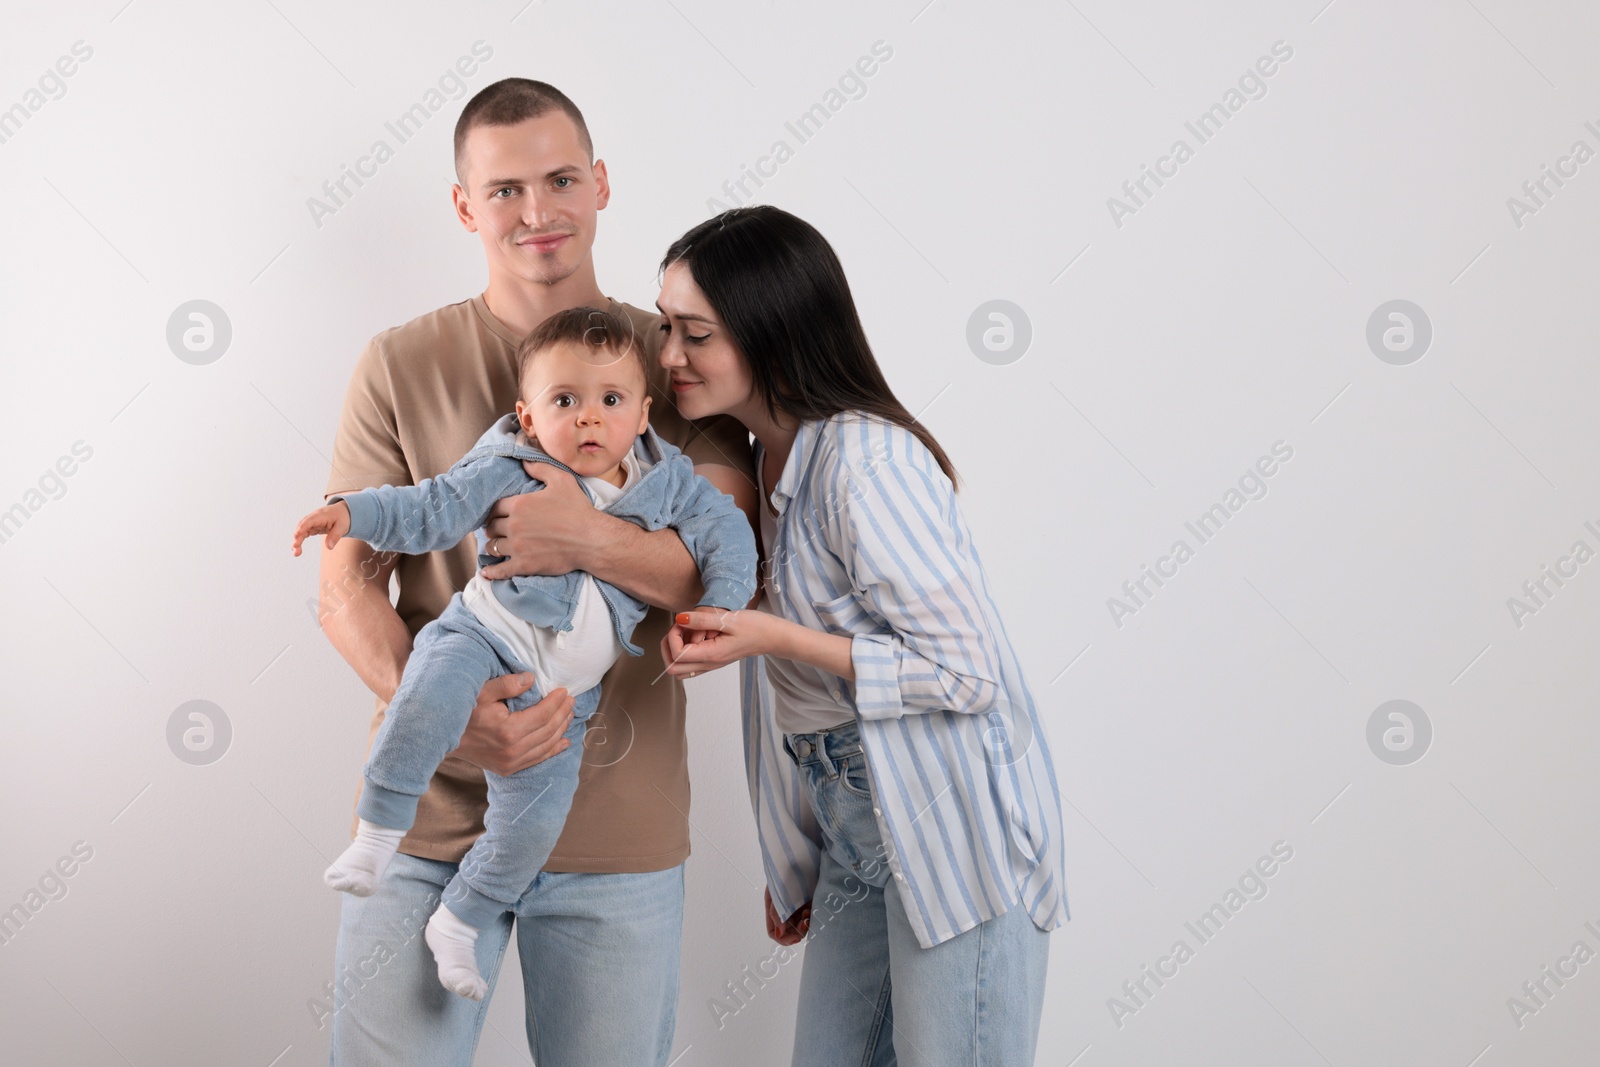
x=585 y=406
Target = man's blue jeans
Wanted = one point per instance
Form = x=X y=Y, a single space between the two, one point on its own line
x=870 y=995
x=599 y=966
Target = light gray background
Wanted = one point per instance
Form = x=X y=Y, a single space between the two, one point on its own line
x=1167 y=355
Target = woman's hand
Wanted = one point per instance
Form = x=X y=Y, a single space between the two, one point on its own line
x=790 y=931
x=708 y=638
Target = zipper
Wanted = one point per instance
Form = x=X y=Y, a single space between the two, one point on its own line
x=616 y=620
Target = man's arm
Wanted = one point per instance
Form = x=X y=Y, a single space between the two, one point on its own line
x=365 y=629
x=557 y=530
x=355 y=612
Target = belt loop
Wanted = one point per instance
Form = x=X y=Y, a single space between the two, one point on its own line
x=824 y=757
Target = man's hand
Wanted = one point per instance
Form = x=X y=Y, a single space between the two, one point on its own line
x=505 y=741
x=331 y=520
x=544 y=532
x=790 y=931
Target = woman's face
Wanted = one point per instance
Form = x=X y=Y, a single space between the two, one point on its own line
x=709 y=373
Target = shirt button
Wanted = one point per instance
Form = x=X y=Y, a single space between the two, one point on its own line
x=877 y=811
x=901 y=877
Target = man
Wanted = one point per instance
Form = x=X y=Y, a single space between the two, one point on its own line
x=599 y=930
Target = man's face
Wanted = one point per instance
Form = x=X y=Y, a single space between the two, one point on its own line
x=585 y=405
x=531 y=195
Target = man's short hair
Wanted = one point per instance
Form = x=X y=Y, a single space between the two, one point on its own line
x=513 y=100
x=601 y=336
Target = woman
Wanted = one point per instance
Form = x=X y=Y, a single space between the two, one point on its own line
x=903 y=788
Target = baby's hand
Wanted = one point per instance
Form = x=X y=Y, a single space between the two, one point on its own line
x=332 y=520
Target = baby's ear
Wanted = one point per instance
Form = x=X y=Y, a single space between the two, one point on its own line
x=644 y=415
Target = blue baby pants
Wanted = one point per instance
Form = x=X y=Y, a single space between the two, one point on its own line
x=452 y=659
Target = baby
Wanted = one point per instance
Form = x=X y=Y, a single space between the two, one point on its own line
x=584 y=406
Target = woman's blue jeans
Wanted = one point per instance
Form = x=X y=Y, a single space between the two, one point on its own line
x=870 y=995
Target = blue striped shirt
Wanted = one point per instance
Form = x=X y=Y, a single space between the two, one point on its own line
x=871 y=545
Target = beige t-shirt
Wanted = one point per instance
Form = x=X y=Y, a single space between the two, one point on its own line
x=420 y=396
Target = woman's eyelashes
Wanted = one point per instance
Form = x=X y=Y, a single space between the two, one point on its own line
x=687 y=336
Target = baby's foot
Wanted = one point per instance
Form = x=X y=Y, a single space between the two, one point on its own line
x=359 y=867
x=453 y=943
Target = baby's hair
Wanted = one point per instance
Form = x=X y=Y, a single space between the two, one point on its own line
x=593 y=331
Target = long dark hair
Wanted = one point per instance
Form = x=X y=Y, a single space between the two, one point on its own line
x=778 y=287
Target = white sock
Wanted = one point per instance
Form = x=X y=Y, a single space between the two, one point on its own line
x=359 y=867
x=453 y=942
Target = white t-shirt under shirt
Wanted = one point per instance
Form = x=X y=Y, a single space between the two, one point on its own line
x=574 y=659
x=800 y=700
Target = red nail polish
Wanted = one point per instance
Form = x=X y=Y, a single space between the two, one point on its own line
x=683 y=618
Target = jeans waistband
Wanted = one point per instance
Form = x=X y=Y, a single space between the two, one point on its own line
x=823 y=746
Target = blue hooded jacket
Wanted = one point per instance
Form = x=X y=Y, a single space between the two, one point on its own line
x=438 y=512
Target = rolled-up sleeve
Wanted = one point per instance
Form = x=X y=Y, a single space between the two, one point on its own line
x=911 y=561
